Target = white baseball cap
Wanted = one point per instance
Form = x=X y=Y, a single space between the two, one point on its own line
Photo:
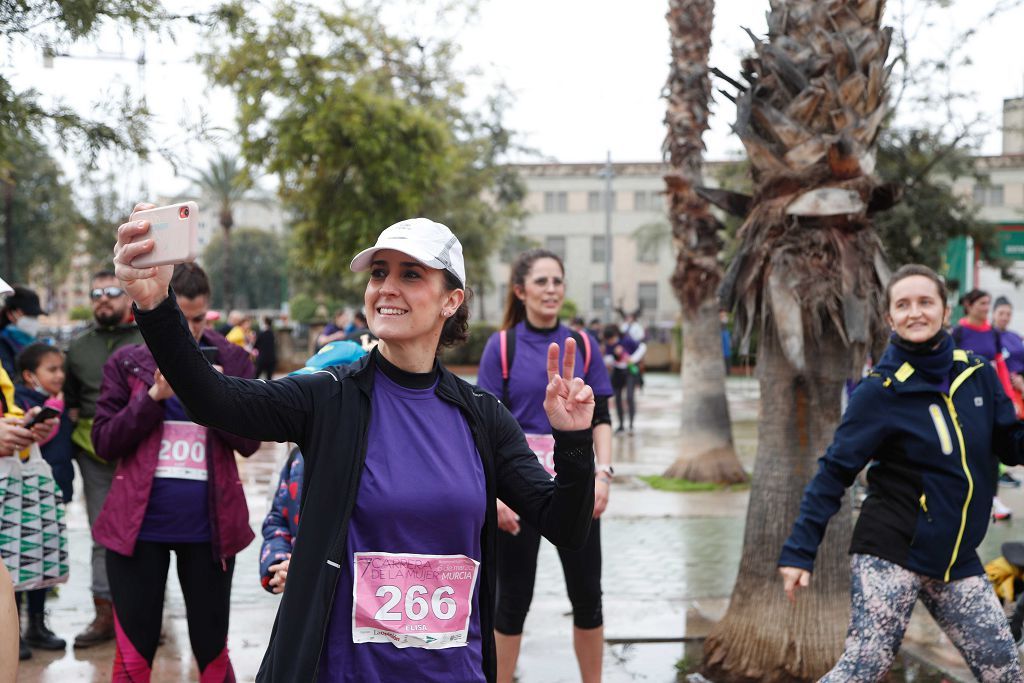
x=5 y=288
x=427 y=241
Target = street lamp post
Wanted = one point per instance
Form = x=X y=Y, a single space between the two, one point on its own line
x=607 y=173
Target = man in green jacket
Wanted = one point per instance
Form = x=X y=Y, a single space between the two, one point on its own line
x=112 y=329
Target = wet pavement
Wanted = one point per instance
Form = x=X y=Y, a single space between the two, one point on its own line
x=670 y=561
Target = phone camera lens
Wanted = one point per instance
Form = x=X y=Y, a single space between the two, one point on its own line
x=183 y=212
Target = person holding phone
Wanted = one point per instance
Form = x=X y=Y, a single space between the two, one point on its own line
x=176 y=490
x=41 y=381
x=933 y=422
x=392 y=575
x=112 y=328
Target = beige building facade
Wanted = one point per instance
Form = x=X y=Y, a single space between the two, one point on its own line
x=566 y=214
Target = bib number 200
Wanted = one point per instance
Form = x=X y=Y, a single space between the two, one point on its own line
x=416 y=607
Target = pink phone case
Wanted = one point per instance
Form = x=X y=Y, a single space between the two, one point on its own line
x=174 y=229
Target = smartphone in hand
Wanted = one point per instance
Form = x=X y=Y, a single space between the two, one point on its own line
x=212 y=354
x=174 y=230
x=42 y=416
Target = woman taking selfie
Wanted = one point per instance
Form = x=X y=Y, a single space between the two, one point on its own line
x=392 y=575
x=933 y=422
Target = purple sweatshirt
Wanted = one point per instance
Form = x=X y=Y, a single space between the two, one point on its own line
x=414 y=437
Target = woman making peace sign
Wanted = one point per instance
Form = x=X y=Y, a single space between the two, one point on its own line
x=392 y=575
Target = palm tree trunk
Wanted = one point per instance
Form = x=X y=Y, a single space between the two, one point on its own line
x=809 y=275
x=763 y=638
x=706 y=451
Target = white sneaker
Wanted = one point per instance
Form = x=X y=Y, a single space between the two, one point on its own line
x=1000 y=511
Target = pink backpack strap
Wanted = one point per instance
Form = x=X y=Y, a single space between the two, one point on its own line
x=503 y=340
x=585 y=338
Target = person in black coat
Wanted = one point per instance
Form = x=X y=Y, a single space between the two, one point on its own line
x=266 y=350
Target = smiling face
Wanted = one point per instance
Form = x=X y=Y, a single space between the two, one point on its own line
x=405 y=300
x=49 y=374
x=977 y=311
x=1001 y=316
x=916 y=308
x=542 y=292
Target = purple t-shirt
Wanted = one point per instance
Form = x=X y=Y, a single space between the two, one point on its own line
x=981 y=343
x=1013 y=351
x=528 y=376
x=422 y=491
x=179 y=509
x=629 y=347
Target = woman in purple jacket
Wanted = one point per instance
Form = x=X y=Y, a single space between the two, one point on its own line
x=176 y=488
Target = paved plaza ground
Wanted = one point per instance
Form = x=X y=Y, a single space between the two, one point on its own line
x=670 y=561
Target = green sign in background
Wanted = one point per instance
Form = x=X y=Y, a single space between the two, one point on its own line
x=1011 y=244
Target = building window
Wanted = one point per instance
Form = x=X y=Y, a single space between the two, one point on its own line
x=556 y=245
x=556 y=202
x=647 y=251
x=597 y=248
x=647 y=296
x=988 y=195
x=595 y=200
x=598 y=293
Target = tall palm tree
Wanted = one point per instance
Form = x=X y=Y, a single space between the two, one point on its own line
x=706 y=451
x=809 y=275
x=226 y=182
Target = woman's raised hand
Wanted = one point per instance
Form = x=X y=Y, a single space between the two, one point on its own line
x=568 y=401
x=146 y=286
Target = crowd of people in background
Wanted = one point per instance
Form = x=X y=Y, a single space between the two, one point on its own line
x=157 y=484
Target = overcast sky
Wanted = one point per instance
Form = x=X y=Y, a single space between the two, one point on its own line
x=586 y=74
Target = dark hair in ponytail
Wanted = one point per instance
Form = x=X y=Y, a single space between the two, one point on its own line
x=515 y=311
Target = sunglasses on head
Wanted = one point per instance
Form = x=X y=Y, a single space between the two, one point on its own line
x=109 y=292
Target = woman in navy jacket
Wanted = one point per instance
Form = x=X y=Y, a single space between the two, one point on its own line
x=932 y=423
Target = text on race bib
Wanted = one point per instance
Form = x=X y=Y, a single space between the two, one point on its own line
x=182 y=453
x=412 y=600
x=543 y=446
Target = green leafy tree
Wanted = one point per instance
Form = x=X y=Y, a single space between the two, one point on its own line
x=39 y=216
x=226 y=182
x=917 y=229
x=363 y=128
x=42 y=24
x=263 y=275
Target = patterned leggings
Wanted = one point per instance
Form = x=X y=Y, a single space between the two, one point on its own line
x=883 y=596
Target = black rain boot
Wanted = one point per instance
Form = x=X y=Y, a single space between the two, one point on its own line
x=24 y=652
x=40 y=636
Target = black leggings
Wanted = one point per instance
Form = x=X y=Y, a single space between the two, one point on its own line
x=137 y=586
x=517 y=571
x=36 y=600
x=624 y=379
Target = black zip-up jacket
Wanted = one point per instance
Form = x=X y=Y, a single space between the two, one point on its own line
x=934 y=453
x=327 y=414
